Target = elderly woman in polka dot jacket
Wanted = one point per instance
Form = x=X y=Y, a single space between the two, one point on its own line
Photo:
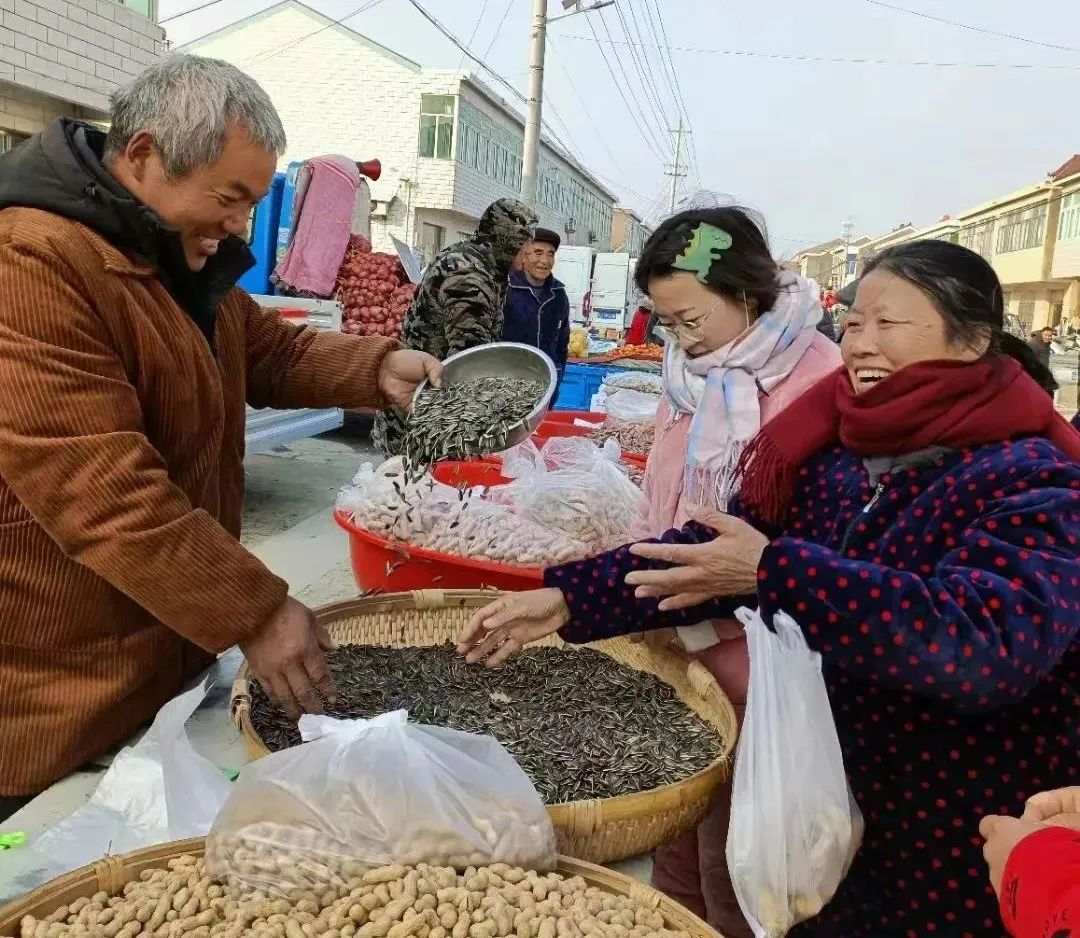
x=918 y=513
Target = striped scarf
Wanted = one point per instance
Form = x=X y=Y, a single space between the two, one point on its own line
x=720 y=390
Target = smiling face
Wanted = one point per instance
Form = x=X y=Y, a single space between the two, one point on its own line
x=894 y=324
x=538 y=260
x=210 y=203
x=699 y=319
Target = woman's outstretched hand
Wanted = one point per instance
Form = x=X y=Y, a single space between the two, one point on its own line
x=726 y=566
x=510 y=623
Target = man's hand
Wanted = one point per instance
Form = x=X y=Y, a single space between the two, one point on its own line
x=1002 y=834
x=286 y=655
x=726 y=566
x=402 y=372
x=1060 y=808
x=507 y=625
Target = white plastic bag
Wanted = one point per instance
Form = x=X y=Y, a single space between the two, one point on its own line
x=576 y=488
x=158 y=790
x=365 y=793
x=795 y=827
x=632 y=406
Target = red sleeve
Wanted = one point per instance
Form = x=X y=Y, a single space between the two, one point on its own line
x=636 y=335
x=1040 y=891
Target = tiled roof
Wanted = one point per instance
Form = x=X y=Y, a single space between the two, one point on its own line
x=1069 y=168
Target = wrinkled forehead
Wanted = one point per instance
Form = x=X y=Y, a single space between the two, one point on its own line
x=881 y=292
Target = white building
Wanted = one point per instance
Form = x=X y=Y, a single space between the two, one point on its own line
x=63 y=58
x=449 y=145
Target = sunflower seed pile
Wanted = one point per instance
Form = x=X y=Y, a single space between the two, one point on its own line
x=468 y=418
x=581 y=724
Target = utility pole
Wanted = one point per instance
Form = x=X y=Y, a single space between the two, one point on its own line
x=530 y=158
x=847 y=231
x=678 y=171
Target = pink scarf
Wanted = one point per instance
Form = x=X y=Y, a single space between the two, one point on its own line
x=720 y=390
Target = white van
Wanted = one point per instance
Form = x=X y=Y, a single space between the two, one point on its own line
x=610 y=290
x=574 y=266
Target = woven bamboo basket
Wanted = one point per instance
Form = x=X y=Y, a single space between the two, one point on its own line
x=110 y=874
x=598 y=830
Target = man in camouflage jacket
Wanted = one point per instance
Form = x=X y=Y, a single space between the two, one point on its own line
x=459 y=303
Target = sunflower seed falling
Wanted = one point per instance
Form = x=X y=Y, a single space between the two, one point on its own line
x=467 y=419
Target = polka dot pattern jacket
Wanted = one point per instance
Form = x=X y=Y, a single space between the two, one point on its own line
x=945 y=600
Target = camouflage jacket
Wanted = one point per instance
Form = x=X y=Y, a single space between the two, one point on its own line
x=459 y=303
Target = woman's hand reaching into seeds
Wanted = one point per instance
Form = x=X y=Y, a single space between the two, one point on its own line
x=510 y=623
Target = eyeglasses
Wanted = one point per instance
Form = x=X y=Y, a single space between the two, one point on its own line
x=692 y=331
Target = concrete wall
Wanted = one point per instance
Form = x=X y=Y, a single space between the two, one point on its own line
x=1020 y=266
x=74 y=50
x=27 y=112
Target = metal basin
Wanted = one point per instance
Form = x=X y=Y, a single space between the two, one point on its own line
x=504 y=360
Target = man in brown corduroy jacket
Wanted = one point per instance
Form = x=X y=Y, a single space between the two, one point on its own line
x=127 y=355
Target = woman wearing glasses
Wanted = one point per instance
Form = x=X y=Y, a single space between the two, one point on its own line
x=741 y=343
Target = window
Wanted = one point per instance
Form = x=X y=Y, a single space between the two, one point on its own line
x=1022 y=229
x=10 y=139
x=436 y=125
x=1069 y=227
x=431 y=241
x=1026 y=314
x=979 y=237
x=145 y=7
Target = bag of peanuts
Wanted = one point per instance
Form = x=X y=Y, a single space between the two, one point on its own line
x=362 y=794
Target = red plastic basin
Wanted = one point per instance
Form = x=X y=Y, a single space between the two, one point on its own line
x=569 y=416
x=477 y=472
x=562 y=424
x=391 y=566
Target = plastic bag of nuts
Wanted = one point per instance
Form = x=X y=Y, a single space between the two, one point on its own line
x=365 y=793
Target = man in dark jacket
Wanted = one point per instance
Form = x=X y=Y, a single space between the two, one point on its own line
x=459 y=303
x=537 y=308
x=1040 y=344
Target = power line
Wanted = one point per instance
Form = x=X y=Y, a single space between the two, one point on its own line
x=498 y=77
x=648 y=83
x=476 y=29
x=837 y=60
x=266 y=55
x=502 y=23
x=680 y=101
x=589 y=117
x=201 y=6
x=615 y=81
x=644 y=48
x=626 y=78
x=969 y=26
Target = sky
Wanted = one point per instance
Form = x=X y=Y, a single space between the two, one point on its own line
x=810 y=113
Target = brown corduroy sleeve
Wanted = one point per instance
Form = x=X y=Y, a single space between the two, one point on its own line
x=73 y=451
x=298 y=366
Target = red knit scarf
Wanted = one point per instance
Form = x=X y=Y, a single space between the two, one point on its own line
x=934 y=403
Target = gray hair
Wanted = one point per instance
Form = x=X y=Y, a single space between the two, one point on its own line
x=188 y=104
